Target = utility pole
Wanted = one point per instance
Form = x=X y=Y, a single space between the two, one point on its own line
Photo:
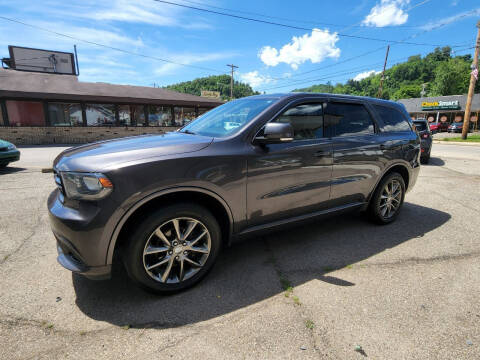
x=380 y=88
x=471 y=88
x=231 y=80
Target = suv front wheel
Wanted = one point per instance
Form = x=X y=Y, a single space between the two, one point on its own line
x=173 y=248
x=387 y=199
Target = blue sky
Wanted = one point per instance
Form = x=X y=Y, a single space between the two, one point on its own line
x=270 y=58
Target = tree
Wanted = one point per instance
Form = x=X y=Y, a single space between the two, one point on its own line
x=451 y=78
x=219 y=83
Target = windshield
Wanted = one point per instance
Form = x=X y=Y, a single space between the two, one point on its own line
x=227 y=119
x=420 y=125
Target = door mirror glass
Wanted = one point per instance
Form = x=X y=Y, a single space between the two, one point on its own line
x=275 y=133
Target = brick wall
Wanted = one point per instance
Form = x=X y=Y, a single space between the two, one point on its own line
x=72 y=135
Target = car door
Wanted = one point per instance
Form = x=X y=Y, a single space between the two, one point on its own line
x=289 y=179
x=357 y=153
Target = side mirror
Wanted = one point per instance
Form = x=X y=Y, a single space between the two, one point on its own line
x=275 y=133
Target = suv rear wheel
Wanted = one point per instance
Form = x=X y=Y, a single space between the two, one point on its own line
x=387 y=199
x=173 y=248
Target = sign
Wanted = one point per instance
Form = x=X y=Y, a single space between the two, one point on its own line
x=440 y=105
x=210 y=94
x=38 y=60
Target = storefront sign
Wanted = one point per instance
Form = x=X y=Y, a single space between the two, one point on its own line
x=210 y=94
x=440 y=105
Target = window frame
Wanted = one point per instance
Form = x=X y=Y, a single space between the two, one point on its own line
x=366 y=106
x=289 y=105
x=383 y=125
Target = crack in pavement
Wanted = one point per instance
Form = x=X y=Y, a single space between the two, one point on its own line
x=283 y=280
x=403 y=262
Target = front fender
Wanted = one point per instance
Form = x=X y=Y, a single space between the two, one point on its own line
x=120 y=221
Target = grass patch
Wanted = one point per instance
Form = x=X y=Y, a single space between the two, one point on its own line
x=309 y=324
x=470 y=138
x=296 y=300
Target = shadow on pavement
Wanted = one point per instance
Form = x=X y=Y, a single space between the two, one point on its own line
x=11 y=170
x=248 y=272
x=435 y=161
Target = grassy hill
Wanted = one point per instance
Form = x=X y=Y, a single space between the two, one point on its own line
x=442 y=73
x=219 y=83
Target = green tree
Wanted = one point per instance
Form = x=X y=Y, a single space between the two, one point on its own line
x=451 y=78
x=219 y=83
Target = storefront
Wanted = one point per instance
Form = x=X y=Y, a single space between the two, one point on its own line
x=47 y=108
x=443 y=109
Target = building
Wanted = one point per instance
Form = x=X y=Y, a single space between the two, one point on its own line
x=39 y=108
x=443 y=108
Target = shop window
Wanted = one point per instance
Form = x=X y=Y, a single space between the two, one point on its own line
x=202 y=111
x=183 y=115
x=65 y=114
x=160 y=116
x=25 y=113
x=124 y=116
x=100 y=114
x=1 y=116
x=138 y=114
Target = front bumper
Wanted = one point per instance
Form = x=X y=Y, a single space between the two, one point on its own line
x=9 y=156
x=80 y=237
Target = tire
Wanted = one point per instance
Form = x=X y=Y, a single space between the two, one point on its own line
x=3 y=166
x=379 y=206
x=151 y=251
x=425 y=159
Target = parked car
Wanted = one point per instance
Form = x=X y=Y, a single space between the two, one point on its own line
x=438 y=127
x=457 y=127
x=425 y=139
x=8 y=153
x=166 y=204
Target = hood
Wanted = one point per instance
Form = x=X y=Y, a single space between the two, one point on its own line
x=4 y=143
x=112 y=153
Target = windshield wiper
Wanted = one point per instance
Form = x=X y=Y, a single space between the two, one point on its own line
x=186 y=131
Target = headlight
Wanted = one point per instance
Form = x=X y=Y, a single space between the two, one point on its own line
x=11 y=147
x=86 y=186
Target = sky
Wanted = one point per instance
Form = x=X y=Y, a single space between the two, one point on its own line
x=162 y=43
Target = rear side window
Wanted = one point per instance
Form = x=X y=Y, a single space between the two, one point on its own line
x=306 y=120
x=393 y=119
x=343 y=119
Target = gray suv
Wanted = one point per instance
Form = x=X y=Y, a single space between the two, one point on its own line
x=168 y=203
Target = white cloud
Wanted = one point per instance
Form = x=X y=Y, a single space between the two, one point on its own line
x=387 y=12
x=365 y=75
x=317 y=46
x=451 y=19
x=254 y=79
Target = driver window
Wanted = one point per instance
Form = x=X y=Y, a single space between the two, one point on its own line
x=306 y=120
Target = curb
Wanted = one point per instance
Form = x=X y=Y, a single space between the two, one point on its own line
x=456 y=143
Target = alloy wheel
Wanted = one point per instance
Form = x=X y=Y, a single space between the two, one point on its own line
x=177 y=250
x=390 y=199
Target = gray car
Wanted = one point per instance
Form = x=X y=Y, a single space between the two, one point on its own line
x=166 y=204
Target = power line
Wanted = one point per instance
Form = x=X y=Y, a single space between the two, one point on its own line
x=291 y=20
x=292 y=26
x=111 y=47
x=351 y=71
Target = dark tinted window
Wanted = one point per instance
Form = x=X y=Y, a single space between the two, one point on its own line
x=348 y=119
x=392 y=118
x=420 y=125
x=306 y=120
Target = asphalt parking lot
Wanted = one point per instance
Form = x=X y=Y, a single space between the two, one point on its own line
x=409 y=290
